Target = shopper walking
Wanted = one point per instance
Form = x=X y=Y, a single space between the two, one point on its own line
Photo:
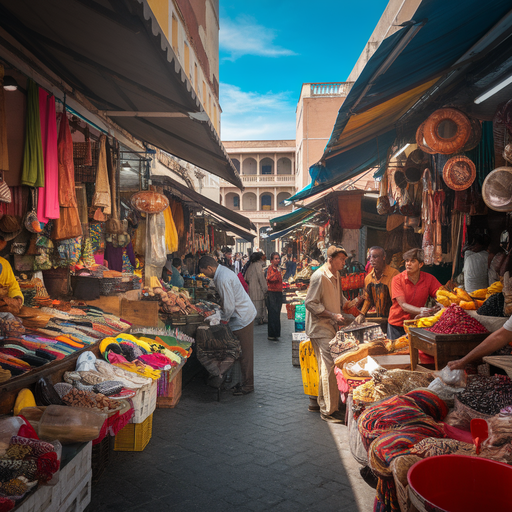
x=274 y=297
x=255 y=278
x=324 y=304
x=239 y=312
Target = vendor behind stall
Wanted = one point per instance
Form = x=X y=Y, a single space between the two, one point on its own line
x=377 y=285
x=7 y=280
x=409 y=293
x=172 y=273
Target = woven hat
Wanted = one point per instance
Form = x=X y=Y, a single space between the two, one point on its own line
x=497 y=189
x=10 y=227
x=459 y=173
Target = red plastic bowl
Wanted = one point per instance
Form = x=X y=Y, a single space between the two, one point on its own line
x=459 y=483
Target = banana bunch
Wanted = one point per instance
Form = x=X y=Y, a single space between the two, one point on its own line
x=429 y=321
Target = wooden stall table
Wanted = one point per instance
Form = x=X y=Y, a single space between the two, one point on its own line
x=443 y=347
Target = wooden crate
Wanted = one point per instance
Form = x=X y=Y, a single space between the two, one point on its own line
x=173 y=394
x=140 y=313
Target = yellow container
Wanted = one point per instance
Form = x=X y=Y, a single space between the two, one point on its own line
x=134 y=437
x=308 y=368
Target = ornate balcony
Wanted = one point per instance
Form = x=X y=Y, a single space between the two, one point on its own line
x=288 y=179
x=331 y=88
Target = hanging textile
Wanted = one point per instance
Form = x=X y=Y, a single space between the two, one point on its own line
x=349 y=207
x=171 y=234
x=177 y=215
x=68 y=224
x=102 y=198
x=32 y=173
x=48 y=198
x=4 y=155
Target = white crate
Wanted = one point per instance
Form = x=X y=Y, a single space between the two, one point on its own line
x=299 y=336
x=144 y=402
x=78 y=499
x=45 y=499
x=50 y=498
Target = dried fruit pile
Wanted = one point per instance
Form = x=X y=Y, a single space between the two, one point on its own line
x=456 y=321
x=80 y=398
x=487 y=395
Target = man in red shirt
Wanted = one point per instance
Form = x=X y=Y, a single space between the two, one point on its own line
x=274 y=297
x=409 y=293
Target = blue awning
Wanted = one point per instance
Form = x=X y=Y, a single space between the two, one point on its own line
x=442 y=36
x=345 y=166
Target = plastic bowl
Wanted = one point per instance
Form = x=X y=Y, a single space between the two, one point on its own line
x=460 y=483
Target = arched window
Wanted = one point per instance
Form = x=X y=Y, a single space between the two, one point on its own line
x=284 y=166
x=267 y=166
x=236 y=163
x=233 y=201
x=266 y=202
x=280 y=198
x=249 y=201
x=249 y=166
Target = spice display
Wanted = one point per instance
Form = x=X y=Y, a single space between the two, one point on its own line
x=487 y=395
x=455 y=320
x=493 y=306
x=80 y=398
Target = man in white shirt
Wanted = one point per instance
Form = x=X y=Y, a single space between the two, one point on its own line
x=238 y=311
x=476 y=265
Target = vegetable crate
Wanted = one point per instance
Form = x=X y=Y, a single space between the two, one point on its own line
x=144 y=402
x=134 y=437
x=169 y=390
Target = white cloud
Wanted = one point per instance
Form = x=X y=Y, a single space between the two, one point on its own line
x=255 y=116
x=245 y=37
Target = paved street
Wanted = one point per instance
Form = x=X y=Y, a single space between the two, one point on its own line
x=263 y=451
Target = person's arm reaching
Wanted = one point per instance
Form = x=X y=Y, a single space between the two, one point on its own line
x=314 y=305
x=493 y=342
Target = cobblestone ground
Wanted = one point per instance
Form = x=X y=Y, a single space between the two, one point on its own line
x=263 y=451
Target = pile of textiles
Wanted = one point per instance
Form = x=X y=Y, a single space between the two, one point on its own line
x=391 y=428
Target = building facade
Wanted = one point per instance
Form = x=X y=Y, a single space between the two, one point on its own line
x=316 y=114
x=267 y=169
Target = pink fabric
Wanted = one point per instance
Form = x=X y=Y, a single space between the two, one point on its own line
x=99 y=258
x=457 y=433
x=155 y=360
x=48 y=199
x=114 y=358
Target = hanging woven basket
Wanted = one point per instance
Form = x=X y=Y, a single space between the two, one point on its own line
x=149 y=201
x=447 y=145
x=497 y=189
x=459 y=173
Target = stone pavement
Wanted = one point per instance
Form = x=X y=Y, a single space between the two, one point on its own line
x=263 y=451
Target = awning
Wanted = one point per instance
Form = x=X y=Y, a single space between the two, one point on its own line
x=443 y=36
x=300 y=215
x=116 y=55
x=335 y=170
x=226 y=214
x=410 y=62
x=284 y=232
x=249 y=237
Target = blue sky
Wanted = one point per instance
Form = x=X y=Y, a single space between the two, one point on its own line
x=268 y=49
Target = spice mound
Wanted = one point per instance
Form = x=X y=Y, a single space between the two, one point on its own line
x=455 y=320
x=487 y=395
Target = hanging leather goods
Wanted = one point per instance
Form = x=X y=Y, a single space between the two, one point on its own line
x=438 y=251
x=383 y=204
x=31 y=221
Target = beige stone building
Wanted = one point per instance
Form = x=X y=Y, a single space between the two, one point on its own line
x=267 y=169
x=316 y=114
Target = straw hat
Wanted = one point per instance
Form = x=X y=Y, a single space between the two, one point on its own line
x=10 y=227
x=459 y=173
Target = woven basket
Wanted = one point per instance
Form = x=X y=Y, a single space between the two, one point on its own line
x=374 y=348
x=466 y=414
x=408 y=324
